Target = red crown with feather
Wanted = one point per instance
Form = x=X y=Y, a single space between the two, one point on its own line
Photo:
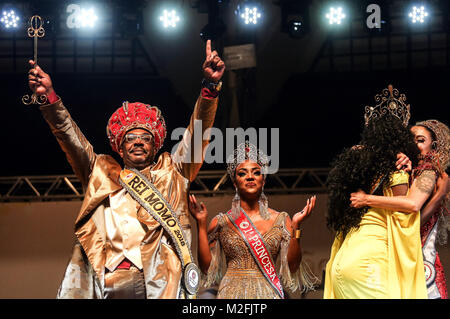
x=136 y=115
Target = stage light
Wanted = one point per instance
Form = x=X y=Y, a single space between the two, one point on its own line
x=418 y=14
x=335 y=15
x=81 y=17
x=249 y=12
x=250 y=15
x=9 y=19
x=87 y=18
x=169 y=18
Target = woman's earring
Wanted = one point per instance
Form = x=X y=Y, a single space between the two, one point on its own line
x=236 y=204
x=434 y=145
x=264 y=206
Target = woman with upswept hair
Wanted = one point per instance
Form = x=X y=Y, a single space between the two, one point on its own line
x=429 y=192
x=239 y=249
x=376 y=252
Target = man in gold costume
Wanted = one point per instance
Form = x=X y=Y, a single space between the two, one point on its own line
x=121 y=249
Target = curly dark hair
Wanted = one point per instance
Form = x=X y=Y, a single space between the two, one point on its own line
x=361 y=166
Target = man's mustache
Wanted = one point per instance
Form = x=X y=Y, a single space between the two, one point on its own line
x=134 y=149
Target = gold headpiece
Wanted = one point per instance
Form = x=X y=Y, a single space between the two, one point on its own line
x=246 y=151
x=442 y=143
x=389 y=101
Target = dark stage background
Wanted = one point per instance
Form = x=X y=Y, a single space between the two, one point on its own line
x=313 y=87
x=317 y=114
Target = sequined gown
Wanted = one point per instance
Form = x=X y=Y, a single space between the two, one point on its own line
x=437 y=289
x=428 y=231
x=243 y=279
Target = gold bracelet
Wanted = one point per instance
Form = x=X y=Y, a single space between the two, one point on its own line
x=298 y=233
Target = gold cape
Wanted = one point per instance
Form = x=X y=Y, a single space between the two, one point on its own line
x=84 y=276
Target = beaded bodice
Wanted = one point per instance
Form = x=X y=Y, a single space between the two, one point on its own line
x=237 y=254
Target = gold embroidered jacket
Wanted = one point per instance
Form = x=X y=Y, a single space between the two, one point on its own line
x=84 y=276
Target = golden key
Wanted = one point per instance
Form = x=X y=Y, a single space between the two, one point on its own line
x=35 y=31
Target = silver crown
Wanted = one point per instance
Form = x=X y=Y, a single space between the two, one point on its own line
x=246 y=151
x=389 y=101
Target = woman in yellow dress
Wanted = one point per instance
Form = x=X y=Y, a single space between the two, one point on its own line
x=429 y=192
x=377 y=252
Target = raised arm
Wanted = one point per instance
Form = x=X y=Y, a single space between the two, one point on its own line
x=442 y=189
x=188 y=155
x=78 y=150
x=419 y=192
x=295 y=252
x=200 y=214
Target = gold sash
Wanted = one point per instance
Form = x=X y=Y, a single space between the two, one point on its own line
x=146 y=194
